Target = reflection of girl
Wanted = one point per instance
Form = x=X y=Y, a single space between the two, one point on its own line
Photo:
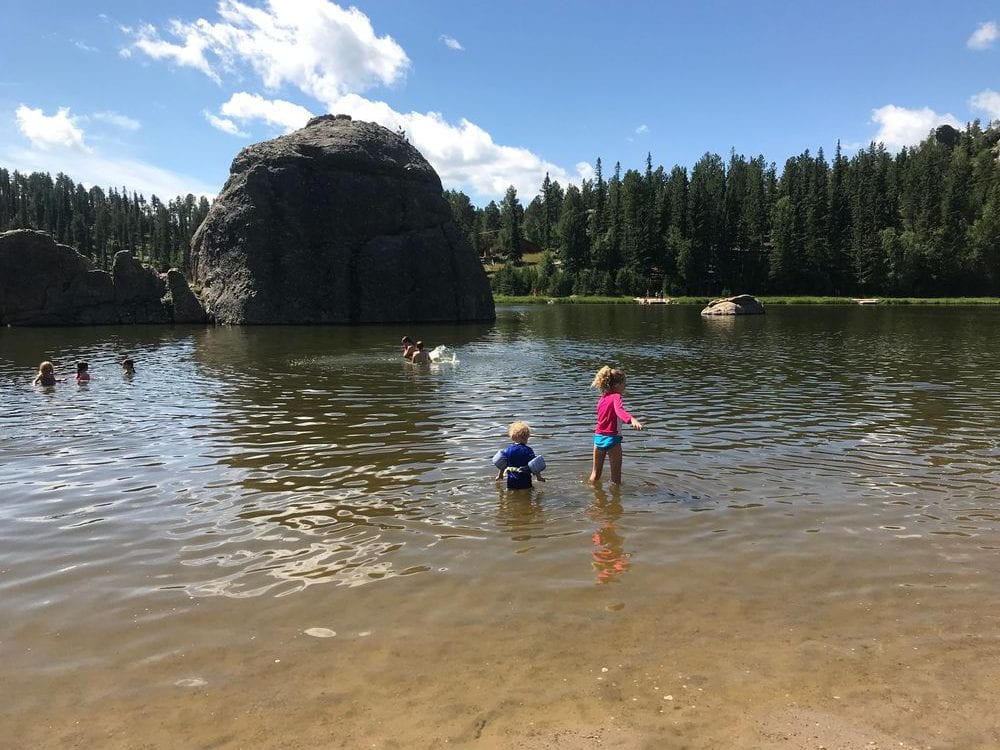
x=609 y=557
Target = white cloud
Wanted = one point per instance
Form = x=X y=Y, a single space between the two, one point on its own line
x=315 y=45
x=189 y=53
x=276 y=112
x=464 y=155
x=118 y=120
x=900 y=127
x=56 y=143
x=452 y=43
x=49 y=131
x=584 y=170
x=642 y=130
x=987 y=101
x=332 y=55
x=984 y=36
x=226 y=126
x=91 y=168
x=83 y=46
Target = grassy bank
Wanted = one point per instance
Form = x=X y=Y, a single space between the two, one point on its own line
x=501 y=299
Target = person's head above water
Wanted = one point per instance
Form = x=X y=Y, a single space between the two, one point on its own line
x=128 y=366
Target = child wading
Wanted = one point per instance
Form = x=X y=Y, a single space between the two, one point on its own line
x=518 y=461
x=610 y=415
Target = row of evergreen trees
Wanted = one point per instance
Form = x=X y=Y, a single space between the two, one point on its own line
x=99 y=224
x=925 y=222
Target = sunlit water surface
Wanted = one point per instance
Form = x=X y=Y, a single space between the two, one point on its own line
x=281 y=536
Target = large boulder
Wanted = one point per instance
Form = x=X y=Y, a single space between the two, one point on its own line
x=742 y=304
x=43 y=283
x=340 y=222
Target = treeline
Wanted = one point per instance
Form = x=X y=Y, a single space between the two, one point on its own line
x=98 y=224
x=925 y=222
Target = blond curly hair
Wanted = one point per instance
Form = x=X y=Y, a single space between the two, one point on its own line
x=607 y=378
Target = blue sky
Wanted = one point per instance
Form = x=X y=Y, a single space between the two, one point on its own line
x=160 y=97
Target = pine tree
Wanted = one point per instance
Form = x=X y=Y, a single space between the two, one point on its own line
x=509 y=238
x=572 y=232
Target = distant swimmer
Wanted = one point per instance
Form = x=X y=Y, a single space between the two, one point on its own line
x=420 y=357
x=82 y=372
x=128 y=368
x=46 y=375
x=409 y=349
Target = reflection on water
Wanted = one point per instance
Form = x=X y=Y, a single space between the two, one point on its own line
x=610 y=557
x=795 y=465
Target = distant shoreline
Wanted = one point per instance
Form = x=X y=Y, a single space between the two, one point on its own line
x=501 y=299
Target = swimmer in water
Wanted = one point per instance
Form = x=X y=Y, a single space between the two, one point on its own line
x=46 y=376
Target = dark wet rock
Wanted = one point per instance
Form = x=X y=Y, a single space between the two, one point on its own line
x=43 y=283
x=183 y=301
x=139 y=291
x=743 y=304
x=339 y=222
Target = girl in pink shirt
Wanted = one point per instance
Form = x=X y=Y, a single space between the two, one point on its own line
x=610 y=415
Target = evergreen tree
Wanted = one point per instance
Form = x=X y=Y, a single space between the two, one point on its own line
x=572 y=232
x=509 y=238
x=552 y=199
x=533 y=227
x=464 y=214
x=489 y=228
x=706 y=211
x=839 y=230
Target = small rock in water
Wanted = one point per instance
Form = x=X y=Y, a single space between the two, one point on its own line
x=191 y=682
x=321 y=632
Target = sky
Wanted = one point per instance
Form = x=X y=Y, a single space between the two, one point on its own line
x=160 y=97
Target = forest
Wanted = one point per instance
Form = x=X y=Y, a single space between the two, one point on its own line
x=924 y=222
x=921 y=223
x=98 y=224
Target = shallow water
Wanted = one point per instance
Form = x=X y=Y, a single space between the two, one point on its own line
x=288 y=537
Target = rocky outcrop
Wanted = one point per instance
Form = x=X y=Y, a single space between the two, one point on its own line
x=43 y=283
x=743 y=304
x=186 y=307
x=339 y=222
x=139 y=291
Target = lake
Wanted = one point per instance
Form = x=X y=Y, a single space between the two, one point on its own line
x=289 y=537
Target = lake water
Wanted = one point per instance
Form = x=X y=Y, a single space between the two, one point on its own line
x=288 y=537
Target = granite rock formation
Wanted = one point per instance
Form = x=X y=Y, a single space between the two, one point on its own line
x=43 y=283
x=342 y=221
x=742 y=304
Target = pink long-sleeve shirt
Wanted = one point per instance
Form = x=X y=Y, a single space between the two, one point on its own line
x=609 y=411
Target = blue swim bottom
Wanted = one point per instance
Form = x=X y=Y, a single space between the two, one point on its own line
x=603 y=442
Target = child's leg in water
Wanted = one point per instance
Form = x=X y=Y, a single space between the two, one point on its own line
x=598 y=469
x=615 y=457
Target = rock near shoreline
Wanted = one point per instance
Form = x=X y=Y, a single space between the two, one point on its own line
x=742 y=304
x=43 y=283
